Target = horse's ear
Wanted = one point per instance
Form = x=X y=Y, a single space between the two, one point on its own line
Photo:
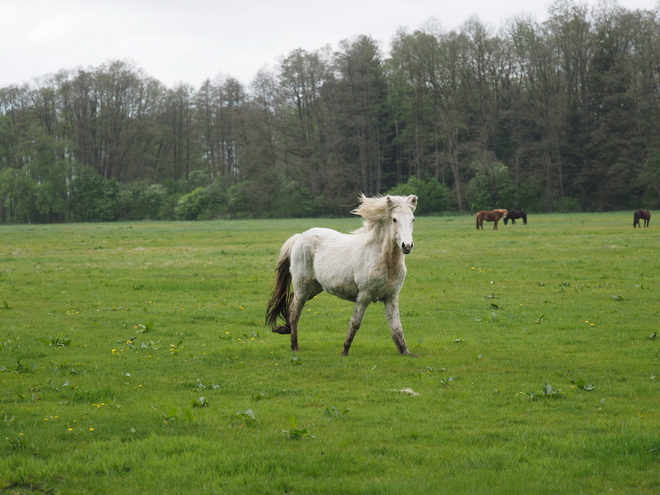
x=390 y=205
x=412 y=199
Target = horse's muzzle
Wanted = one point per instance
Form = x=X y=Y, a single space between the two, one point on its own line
x=406 y=248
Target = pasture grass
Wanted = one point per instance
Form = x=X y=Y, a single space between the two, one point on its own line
x=134 y=359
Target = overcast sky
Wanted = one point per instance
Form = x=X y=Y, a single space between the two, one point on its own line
x=189 y=41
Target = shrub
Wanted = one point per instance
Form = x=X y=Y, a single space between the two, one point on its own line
x=191 y=206
x=93 y=198
x=141 y=200
x=434 y=197
x=491 y=188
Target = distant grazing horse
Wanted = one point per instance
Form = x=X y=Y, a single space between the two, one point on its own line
x=513 y=214
x=364 y=267
x=644 y=215
x=490 y=216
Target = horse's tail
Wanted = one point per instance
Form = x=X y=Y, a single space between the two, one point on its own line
x=278 y=305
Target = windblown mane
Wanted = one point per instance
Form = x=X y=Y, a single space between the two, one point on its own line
x=374 y=210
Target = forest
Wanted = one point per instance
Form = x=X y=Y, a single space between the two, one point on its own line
x=562 y=115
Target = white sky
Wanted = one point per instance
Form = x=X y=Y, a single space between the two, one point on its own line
x=189 y=41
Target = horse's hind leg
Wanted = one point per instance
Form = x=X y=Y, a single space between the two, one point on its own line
x=295 y=310
x=298 y=300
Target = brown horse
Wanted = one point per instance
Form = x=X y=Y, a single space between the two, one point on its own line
x=490 y=216
x=644 y=215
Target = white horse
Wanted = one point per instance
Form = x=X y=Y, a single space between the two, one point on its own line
x=364 y=267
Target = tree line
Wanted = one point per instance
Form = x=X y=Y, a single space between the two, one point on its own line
x=562 y=115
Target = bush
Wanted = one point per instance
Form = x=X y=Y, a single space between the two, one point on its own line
x=567 y=205
x=434 y=197
x=93 y=198
x=491 y=188
x=142 y=200
x=192 y=205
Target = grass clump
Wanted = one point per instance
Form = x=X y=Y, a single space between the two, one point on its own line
x=145 y=367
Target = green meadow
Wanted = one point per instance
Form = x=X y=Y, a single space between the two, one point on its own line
x=134 y=359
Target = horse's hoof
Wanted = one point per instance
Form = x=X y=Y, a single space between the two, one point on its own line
x=282 y=329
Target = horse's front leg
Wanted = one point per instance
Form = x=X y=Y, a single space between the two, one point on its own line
x=396 y=329
x=361 y=306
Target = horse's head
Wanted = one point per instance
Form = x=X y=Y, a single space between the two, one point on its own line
x=402 y=209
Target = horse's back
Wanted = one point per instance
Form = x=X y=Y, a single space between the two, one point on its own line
x=322 y=238
x=321 y=247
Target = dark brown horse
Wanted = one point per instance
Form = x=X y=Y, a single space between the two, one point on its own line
x=513 y=214
x=643 y=215
x=490 y=216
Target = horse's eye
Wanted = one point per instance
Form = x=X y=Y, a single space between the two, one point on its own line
x=413 y=220
x=394 y=220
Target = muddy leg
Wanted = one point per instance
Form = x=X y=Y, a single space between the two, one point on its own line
x=295 y=311
x=355 y=323
x=394 y=319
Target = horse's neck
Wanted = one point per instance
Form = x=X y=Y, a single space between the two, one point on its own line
x=392 y=258
x=389 y=256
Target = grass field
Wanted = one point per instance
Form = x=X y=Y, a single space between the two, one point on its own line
x=134 y=359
